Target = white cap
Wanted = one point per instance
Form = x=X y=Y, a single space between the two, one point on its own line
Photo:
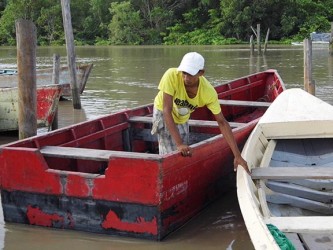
x=191 y=63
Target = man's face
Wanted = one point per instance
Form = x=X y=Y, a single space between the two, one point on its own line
x=190 y=80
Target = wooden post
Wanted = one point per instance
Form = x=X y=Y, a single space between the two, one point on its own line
x=252 y=64
x=251 y=44
x=258 y=39
x=331 y=41
x=266 y=41
x=55 y=80
x=67 y=20
x=26 y=38
x=309 y=84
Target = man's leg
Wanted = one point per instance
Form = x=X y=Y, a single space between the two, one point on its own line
x=166 y=143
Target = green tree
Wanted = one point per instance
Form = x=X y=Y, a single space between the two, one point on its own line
x=167 y=21
x=126 y=25
x=38 y=11
x=97 y=21
x=49 y=23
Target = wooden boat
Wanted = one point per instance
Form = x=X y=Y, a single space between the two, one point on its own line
x=47 y=103
x=8 y=78
x=290 y=152
x=106 y=176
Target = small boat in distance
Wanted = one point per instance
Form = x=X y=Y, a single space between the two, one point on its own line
x=106 y=176
x=8 y=72
x=290 y=153
x=8 y=78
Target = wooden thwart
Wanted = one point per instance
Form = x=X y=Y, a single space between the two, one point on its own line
x=196 y=123
x=300 y=191
x=244 y=103
x=91 y=154
x=303 y=224
x=292 y=173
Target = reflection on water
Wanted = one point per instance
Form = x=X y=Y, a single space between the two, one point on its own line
x=125 y=77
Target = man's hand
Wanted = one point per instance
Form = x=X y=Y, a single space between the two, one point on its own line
x=185 y=150
x=240 y=161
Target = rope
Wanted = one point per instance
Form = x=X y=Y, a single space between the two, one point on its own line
x=280 y=238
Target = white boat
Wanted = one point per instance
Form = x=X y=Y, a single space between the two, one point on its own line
x=290 y=154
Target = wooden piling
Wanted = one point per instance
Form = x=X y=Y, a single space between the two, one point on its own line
x=251 y=44
x=67 y=22
x=26 y=38
x=257 y=34
x=309 y=84
x=266 y=40
x=55 y=80
x=331 y=41
x=258 y=39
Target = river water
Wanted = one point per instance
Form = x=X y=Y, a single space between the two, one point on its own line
x=125 y=77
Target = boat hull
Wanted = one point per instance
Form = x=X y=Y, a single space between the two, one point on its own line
x=290 y=154
x=151 y=208
x=106 y=176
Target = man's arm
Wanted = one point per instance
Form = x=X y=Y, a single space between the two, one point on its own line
x=229 y=137
x=167 y=113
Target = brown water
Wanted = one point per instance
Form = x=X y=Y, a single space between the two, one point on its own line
x=125 y=77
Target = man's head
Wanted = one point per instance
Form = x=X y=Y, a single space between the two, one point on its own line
x=192 y=63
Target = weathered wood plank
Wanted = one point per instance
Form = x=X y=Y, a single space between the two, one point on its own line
x=317 y=241
x=284 y=199
x=283 y=173
x=303 y=224
x=244 y=103
x=92 y=154
x=314 y=184
x=196 y=123
x=299 y=191
x=293 y=237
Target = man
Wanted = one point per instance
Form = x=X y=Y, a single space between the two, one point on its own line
x=181 y=91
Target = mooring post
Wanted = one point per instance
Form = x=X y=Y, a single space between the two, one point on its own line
x=55 y=80
x=309 y=84
x=67 y=20
x=26 y=39
x=251 y=44
x=266 y=41
x=258 y=39
x=331 y=41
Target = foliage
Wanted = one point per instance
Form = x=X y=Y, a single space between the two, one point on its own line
x=126 y=24
x=103 y=22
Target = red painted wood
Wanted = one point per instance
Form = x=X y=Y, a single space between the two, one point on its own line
x=25 y=170
x=136 y=196
x=129 y=180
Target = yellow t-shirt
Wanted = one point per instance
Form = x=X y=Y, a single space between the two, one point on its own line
x=172 y=83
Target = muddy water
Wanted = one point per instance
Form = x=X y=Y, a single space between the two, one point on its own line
x=125 y=77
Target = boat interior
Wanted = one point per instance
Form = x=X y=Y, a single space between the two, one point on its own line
x=299 y=197
x=308 y=203
x=87 y=147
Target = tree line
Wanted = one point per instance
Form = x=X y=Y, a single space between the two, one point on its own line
x=146 y=22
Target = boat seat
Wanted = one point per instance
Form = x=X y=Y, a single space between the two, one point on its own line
x=91 y=154
x=300 y=191
x=303 y=224
x=294 y=238
x=283 y=173
x=244 y=103
x=195 y=123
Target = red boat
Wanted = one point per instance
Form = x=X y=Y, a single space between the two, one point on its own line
x=105 y=175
